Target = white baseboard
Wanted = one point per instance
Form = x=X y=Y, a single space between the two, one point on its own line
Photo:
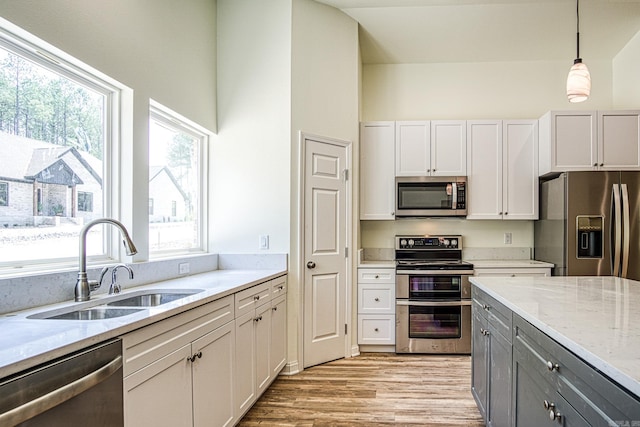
x=291 y=368
x=355 y=351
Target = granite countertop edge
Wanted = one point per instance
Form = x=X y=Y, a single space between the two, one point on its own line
x=608 y=368
x=26 y=343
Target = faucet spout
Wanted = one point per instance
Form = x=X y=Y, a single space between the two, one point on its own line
x=83 y=285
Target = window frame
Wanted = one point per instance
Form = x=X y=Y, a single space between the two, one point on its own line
x=16 y=40
x=174 y=120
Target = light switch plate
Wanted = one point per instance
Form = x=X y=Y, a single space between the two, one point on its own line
x=264 y=241
x=507 y=238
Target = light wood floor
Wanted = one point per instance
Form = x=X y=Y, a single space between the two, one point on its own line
x=374 y=389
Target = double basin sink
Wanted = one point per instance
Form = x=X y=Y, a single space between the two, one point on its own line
x=116 y=306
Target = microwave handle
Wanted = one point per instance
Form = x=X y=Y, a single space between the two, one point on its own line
x=454 y=202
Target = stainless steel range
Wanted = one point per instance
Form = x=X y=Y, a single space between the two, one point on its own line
x=433 y=295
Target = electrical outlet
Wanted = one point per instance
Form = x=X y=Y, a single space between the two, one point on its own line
x=264 y=241
x=184 y=268
x=507 y=238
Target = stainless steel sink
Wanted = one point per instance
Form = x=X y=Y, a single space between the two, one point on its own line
x=95 y=313
x=117 y=306
x=153 y=299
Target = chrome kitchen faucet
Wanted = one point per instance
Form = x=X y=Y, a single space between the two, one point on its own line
x=83 y=285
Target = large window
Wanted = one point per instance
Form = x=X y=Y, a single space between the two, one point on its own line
x=177 y=183
x=55 y=142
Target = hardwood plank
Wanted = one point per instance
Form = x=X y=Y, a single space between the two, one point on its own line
x=373 y=389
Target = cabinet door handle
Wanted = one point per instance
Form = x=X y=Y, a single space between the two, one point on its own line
x=484 y=332
x=595 y=164
x=193 y=357
x=486 y=307
x=256 y=298
x=376 y=329
x=275 y=309
x=257 y=319
x=281 y=287
x=601 y=164
x=376 y=299
x=552 y=366
x=377 y=276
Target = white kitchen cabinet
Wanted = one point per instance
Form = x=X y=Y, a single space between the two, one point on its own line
x=589 y=140
x=376 y=306
x=260 y=340
x=169 y=368
x=431 y=148
x=502 y=169
x=377 y=170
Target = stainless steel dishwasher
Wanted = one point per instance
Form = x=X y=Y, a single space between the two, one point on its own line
x=83 y=388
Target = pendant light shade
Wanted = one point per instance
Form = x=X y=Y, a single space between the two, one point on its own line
x=579 y=79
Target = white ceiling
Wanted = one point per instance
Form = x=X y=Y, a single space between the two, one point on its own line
x=424 y=31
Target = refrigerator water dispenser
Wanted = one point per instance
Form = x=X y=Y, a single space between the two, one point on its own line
x=589 y=232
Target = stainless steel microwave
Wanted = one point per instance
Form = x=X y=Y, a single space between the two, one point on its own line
x=429 y=196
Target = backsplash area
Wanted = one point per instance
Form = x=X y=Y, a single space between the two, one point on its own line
x=21 y=293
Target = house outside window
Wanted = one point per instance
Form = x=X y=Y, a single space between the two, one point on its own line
x=4 y=194
x=56 y=139
x=85 y=201
x=177 y=183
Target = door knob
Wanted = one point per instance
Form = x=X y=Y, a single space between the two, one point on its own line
x=311 y=264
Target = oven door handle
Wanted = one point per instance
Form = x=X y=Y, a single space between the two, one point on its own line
x=436 y=272
x=434 y=303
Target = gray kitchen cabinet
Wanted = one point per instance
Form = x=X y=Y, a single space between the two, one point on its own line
x=491 y=359
x=553 y=386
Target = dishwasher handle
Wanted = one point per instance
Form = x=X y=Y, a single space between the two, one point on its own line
x=45 y=402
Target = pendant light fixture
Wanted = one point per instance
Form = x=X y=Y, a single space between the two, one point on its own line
x=579 y=80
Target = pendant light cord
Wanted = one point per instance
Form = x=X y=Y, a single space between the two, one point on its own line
x=578 y=29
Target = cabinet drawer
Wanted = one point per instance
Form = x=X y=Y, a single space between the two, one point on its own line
x=249 y=299
x=278 y=286
x=513 y=272
x=497 y=314
x=598 y=399
x=146 y=345
x=377 y=329
x=376 y=275
x=376 y=298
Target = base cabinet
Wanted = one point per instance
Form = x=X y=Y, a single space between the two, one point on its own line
x=170 y=366
x=522 y=377
x=491 y=359
x=206 y=366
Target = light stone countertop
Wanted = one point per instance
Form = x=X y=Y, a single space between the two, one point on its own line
x=596 y=318
x=25 y=343
x=509 y=263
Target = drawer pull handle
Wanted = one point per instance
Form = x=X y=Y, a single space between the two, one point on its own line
x=552 y=366
x=376 y=299
x=256 y=298
x=376 y=329
x=377 y=276
x=193 y=357
x=275 y=309
x=281 y=287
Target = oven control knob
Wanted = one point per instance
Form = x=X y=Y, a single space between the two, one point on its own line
x=454 y=243
x=411 y=242
x=403 y=242
x=446 y=242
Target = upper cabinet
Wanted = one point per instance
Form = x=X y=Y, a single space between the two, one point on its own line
x=589 y=140
x=502 y=169
x=431 y=148
x=377 y=180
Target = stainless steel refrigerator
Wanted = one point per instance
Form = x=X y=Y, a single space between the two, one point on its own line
x=590 y=223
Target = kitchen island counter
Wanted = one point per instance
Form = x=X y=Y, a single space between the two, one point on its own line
x=596 y=318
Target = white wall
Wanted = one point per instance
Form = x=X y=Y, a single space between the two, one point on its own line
x=626 y=76
x=325 y=95
x=252 y=151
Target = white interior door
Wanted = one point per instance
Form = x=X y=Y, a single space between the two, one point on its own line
x=325 y=231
